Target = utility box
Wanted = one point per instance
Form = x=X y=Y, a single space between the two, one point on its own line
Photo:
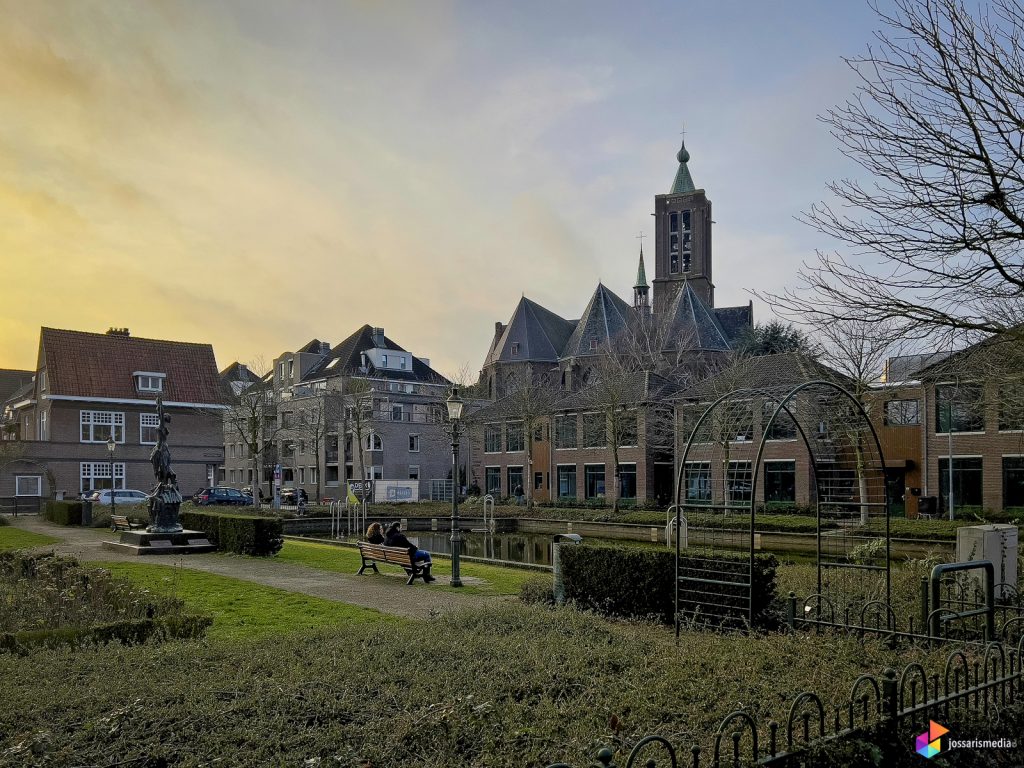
x=995 y=543
x=396 y=490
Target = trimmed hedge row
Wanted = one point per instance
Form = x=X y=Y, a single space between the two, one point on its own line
x=125 y=632
x=63 y=512
x=635 y=582
x=241 y=534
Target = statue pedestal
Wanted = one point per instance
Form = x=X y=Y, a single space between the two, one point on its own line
x=147 y=543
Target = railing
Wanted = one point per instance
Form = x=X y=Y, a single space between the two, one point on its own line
x=20 y=505
x=990 y=681
x=406 y=416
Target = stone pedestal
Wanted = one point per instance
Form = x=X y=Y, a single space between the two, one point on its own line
x=154 y=543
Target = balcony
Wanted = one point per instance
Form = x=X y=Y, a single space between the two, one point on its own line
x=408 y=417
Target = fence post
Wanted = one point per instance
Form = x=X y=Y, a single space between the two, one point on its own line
x=890 y=701
x=791 y=610
x=924 y=605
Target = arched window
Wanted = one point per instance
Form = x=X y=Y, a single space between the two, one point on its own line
x=374 y=443
x=511 y=383
x=589 y=377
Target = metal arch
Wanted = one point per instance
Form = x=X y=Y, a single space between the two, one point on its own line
x=795 y=707
x=955 y=662
x=814 y=463
x=660 y=741
x=748 y=722
x=914 y=668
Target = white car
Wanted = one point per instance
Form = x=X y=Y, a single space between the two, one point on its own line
x=121 y=498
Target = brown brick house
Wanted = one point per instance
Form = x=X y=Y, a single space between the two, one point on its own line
x=88 y=387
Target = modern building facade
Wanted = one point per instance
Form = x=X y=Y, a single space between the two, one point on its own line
x=89 y=387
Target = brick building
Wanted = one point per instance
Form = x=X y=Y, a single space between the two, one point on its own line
x=89 y=387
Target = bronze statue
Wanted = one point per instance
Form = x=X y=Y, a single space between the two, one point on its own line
x=165 y=499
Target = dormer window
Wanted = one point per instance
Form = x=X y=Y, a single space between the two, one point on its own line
x=148 y=381
x=515 y=349
x=384 y=361
x=593 y=345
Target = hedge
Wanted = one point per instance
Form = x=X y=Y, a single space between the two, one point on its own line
x=241 y=534
x=63 y=512
x=635 y=582
x=125 y=632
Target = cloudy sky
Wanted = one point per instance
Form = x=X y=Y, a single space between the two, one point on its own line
x=256 y=174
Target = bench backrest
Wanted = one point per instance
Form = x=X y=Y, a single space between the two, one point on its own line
x=119 y=519
x=395 y=555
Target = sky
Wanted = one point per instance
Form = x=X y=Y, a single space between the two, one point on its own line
x=256 y=174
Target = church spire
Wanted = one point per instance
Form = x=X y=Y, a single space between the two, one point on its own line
x=640 y=300
x=641 y=274
x=683 y=182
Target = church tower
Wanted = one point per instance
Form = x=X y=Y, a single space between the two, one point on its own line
x=682 y=240
x=640 y=299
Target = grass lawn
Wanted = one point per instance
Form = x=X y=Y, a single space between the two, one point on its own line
x=242 y=609
x=496 y=580
x=16 y=538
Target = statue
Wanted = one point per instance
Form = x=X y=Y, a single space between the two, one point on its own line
x=165 y=499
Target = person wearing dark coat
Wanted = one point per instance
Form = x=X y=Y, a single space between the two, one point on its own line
x=375 y=534
x=395 y=538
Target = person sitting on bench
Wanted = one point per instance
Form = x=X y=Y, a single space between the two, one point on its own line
x=375 y=534
x=395 y=538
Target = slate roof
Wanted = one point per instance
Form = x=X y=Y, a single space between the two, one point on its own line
x=735 y=320
x=539 y=332
x=907 y=367
x=314 y=347
x=346 y=358
x=787 y=369
x=637 y=387
x=692 y=324
x=682 y=182
x=81 y=364
x=604 y=319
x=12 y=381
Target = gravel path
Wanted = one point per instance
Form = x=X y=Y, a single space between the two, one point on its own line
x=384 y=593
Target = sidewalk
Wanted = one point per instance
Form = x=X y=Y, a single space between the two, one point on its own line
x=384 y=594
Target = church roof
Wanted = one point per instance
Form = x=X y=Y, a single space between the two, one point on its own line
x=605 y=317
x=767 y=372
x=692 y=324
x=682 y=182
x=735 y=320
x=537 y=333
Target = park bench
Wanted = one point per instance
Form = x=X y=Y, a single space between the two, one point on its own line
x=400 y=556
x=122 y=523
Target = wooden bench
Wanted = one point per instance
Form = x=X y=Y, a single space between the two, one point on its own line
x=122 y=523
x=378 y=553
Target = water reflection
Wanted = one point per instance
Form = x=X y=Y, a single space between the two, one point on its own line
x=516 y=547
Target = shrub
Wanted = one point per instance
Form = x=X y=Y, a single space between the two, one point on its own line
x=3 y=521
x=125 y=632
x=635 y=582
x=63 y=512
x=537 y=589
x=238 y=533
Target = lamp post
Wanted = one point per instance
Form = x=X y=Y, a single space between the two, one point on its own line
x=455 y=405
x=111 y=447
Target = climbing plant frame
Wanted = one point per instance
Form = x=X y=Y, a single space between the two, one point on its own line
x=726 y=478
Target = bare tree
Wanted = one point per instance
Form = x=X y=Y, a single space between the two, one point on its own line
x=252 y=417
x=316 y=416
x=937 y=122
x=533 y=404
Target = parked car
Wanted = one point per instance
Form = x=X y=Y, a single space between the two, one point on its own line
x=288 y=496
x=221 y=497
x=121 y=498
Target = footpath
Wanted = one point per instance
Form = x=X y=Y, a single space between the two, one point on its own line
x=388 y=595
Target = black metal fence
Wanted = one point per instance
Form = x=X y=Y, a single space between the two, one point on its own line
x=975 y=681
x=20 y=505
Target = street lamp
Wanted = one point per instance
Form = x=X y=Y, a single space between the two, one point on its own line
x=111 y=447
x=455 y=405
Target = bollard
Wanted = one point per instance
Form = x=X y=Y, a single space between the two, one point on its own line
x=558 y=585
x=87 y=514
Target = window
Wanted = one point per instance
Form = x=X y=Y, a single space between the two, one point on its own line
x=783 y=428
x=594 y=430
x=686 y=234
x=331 y=475
x=902 y=413
x=384 y=361
x=232 y=446
x=287 y=475
x=149 y=382
x=738 y=482
x=492 y=480
x=593 y=345
x=567 y=482
x=627 y=481
x=374 y=443
x=291 y=368
x=397 y=412
x=414 y=471
x=963 y=405
x=1011 y=409
x=515 y=349
x=697 y=481
x=967 y=477
x=414 y=443
x=492 y=438
x=625 y=423
x=282 y=371
x=739 y=426
x=98 y=425
x=538 y=481
x=302 y=446
x=593 y=480
x=565 y=431
x=28 y=485
x=302 y=475
x=514 y=437
x=231 y=474
x=780 y=481
x=312 y=474
x=95 y=475
x=1013 y=481
x=401 y=362
x=680 y=231
x=515 y=479
x=42 y=425
x=673 y=242
x=42 y=381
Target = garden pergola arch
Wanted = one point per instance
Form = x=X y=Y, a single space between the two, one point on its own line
x=719 y=478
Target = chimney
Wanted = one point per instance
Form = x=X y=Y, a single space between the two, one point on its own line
x=424 y=360
x=497 y=327
x=377 y=334
x=118 y=332
x=325 y=347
